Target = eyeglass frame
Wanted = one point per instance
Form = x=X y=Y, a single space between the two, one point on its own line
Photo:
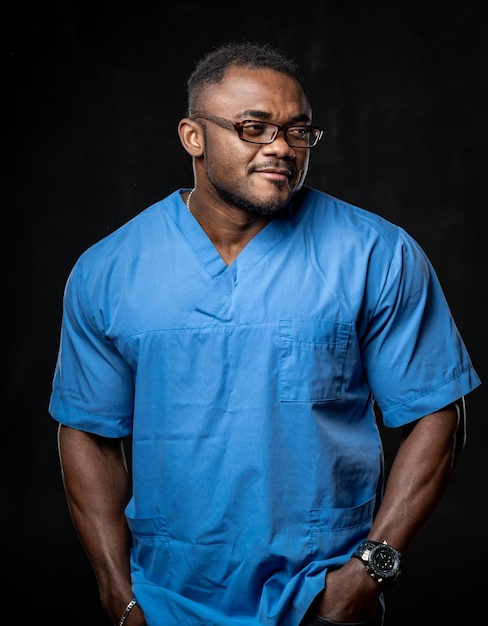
x=238 y=127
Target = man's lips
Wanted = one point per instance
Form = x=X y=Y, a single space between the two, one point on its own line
x=274 y=173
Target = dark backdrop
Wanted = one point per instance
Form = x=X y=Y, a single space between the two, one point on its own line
x=92 y=97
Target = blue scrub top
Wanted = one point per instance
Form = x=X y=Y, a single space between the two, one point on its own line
x=257 y=461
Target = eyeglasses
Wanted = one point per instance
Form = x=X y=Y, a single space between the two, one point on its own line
x=254 y=131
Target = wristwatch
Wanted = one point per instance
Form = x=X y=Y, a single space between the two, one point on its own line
x=382 y=562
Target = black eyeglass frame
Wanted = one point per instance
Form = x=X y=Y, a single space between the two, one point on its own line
x=238 y=127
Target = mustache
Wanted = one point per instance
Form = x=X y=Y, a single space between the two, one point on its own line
x=274 y=164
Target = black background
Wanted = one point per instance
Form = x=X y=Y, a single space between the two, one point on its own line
x=92 y=97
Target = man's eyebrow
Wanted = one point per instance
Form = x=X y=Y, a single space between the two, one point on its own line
x=266 y=115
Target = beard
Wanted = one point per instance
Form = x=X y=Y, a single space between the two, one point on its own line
x=263 y=209
x=235 y=196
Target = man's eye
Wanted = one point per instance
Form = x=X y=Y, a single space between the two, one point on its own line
x=299 y=132
x=254 y=128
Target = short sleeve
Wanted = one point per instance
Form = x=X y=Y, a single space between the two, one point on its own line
x=415 y=359
x=93 y=387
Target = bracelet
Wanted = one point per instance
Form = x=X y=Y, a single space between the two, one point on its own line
x=128 y=609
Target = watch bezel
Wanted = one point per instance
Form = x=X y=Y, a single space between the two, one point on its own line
x=384 y=573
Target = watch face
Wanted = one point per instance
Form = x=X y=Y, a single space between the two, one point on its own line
x=384 y=561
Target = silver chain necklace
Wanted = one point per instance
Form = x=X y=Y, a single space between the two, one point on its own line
x=188 y=199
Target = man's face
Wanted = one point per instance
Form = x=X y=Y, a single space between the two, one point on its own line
x=260 y=178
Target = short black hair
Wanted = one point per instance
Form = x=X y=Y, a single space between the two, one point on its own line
x=210 y=69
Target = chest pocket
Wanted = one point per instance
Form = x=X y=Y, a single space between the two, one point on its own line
x=312 y=357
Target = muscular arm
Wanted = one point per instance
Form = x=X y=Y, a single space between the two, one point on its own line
x=96 y=482
x=419 y=476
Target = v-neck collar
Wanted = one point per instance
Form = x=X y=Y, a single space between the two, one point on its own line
x=205 y=251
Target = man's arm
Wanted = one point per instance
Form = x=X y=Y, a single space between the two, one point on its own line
x=96 y=483
x=420 y=473
x=419 y=476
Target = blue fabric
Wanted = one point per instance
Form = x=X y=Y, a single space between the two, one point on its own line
x=257 y=462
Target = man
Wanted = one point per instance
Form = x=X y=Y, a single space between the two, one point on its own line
x=245 y=333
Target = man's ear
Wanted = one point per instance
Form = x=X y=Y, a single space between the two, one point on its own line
x=191 y=137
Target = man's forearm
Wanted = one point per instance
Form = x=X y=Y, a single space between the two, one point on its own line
x=419 y=475
x=96 y=482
